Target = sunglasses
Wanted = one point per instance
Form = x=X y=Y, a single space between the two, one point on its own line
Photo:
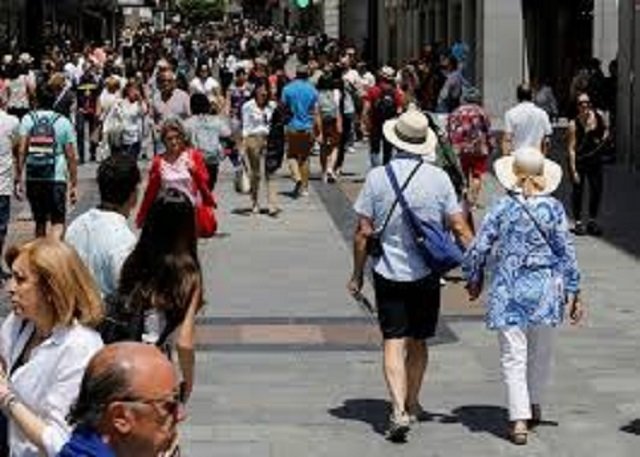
x=584 y=102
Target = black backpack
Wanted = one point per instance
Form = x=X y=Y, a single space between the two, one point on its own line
x=385 y=106
x=42 y=149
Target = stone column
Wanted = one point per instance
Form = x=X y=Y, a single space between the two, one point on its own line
x=605 y=30
x=502 y=55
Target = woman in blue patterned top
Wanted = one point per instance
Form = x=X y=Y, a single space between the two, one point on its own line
x=534 y=278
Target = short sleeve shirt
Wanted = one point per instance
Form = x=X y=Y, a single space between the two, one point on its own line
x=9 y=131
x=528 y=125
x=65 y=135
x=301 y=98
x=374 y=94
x=104 y=255
x=430 y=195
x=177 y=106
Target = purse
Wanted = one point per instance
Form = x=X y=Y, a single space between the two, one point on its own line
x=374 y=242
x=206 y=221
x=435 y=244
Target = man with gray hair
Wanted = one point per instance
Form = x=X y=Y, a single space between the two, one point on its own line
x=128 y=405
x=168 y=102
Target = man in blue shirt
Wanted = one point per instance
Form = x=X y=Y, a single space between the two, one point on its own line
x=101 y=236
x=301 y=98
x=129 y=404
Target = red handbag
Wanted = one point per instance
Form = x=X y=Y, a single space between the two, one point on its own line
x=206 y=222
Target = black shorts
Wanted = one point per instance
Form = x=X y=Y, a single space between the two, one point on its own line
x=48 y=201
x=407 y=309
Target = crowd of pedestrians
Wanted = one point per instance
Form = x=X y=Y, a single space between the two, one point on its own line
x=259 y=96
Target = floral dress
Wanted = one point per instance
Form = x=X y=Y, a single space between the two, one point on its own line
x=530 y=276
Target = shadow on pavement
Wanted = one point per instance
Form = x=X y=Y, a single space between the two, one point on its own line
x=481 y=418
x=476 y=418
x=632 y=427
x=374 y=412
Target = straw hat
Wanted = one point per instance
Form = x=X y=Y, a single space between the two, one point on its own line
x=411 y=133
x=528 y=164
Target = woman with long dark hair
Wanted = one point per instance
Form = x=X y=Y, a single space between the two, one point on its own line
x=162 y=276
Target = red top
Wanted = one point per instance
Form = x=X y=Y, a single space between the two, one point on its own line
x=200 y=183
x=375 y=93
x=469 y=130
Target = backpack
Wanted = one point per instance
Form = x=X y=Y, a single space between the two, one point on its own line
x=123 y=322
x=385 y=106
x=327 y=104
x=42 y=149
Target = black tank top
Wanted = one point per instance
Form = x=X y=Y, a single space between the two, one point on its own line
x=588 y=142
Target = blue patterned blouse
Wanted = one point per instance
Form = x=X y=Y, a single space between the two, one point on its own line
x=529 y=278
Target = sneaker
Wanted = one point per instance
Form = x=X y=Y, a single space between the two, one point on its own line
x=331 y=177
x=416 y=413
x=579 y=229
x=594 y=229
x=304 y=193
x=399 y=425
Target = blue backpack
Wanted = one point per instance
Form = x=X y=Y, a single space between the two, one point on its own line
x=435 y=244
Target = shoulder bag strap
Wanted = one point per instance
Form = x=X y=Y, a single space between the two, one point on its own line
x=390 y=172
x=545 y=235
x=406 y=211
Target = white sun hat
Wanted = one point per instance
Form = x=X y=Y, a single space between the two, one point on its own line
x=411 y=133
x=525 y=163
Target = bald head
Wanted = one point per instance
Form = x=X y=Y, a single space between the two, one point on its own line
x=119 y=370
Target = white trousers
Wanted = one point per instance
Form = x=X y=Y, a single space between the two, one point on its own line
x=525 y=356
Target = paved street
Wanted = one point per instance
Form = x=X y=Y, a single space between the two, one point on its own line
x=288 y=364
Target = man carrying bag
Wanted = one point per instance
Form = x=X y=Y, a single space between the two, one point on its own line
x=406 y=281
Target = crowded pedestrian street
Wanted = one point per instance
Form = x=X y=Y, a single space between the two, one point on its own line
x=322 y=228
x=289 y=363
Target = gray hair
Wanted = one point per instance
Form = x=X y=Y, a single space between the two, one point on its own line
x=97 y=390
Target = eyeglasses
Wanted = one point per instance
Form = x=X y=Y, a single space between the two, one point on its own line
x=584 y=102
x=170 y=406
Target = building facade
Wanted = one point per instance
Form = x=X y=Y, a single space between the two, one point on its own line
x=509 y=41
x=91 y=20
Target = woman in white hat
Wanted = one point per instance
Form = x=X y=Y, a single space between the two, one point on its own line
x=534 y=279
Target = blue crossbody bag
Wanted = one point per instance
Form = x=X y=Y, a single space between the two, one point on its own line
x=435 y=244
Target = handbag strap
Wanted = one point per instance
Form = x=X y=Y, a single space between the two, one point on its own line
x=406 y=211
x=536 y=223
x=389 y=171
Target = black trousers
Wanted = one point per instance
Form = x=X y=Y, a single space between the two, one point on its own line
x=347 y=127
x=589 y=171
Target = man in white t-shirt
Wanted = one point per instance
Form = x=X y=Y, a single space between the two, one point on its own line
x=102 y=236
x=526 y=125
x=9 y=141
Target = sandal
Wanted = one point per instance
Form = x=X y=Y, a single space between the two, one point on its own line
x=517 y=435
